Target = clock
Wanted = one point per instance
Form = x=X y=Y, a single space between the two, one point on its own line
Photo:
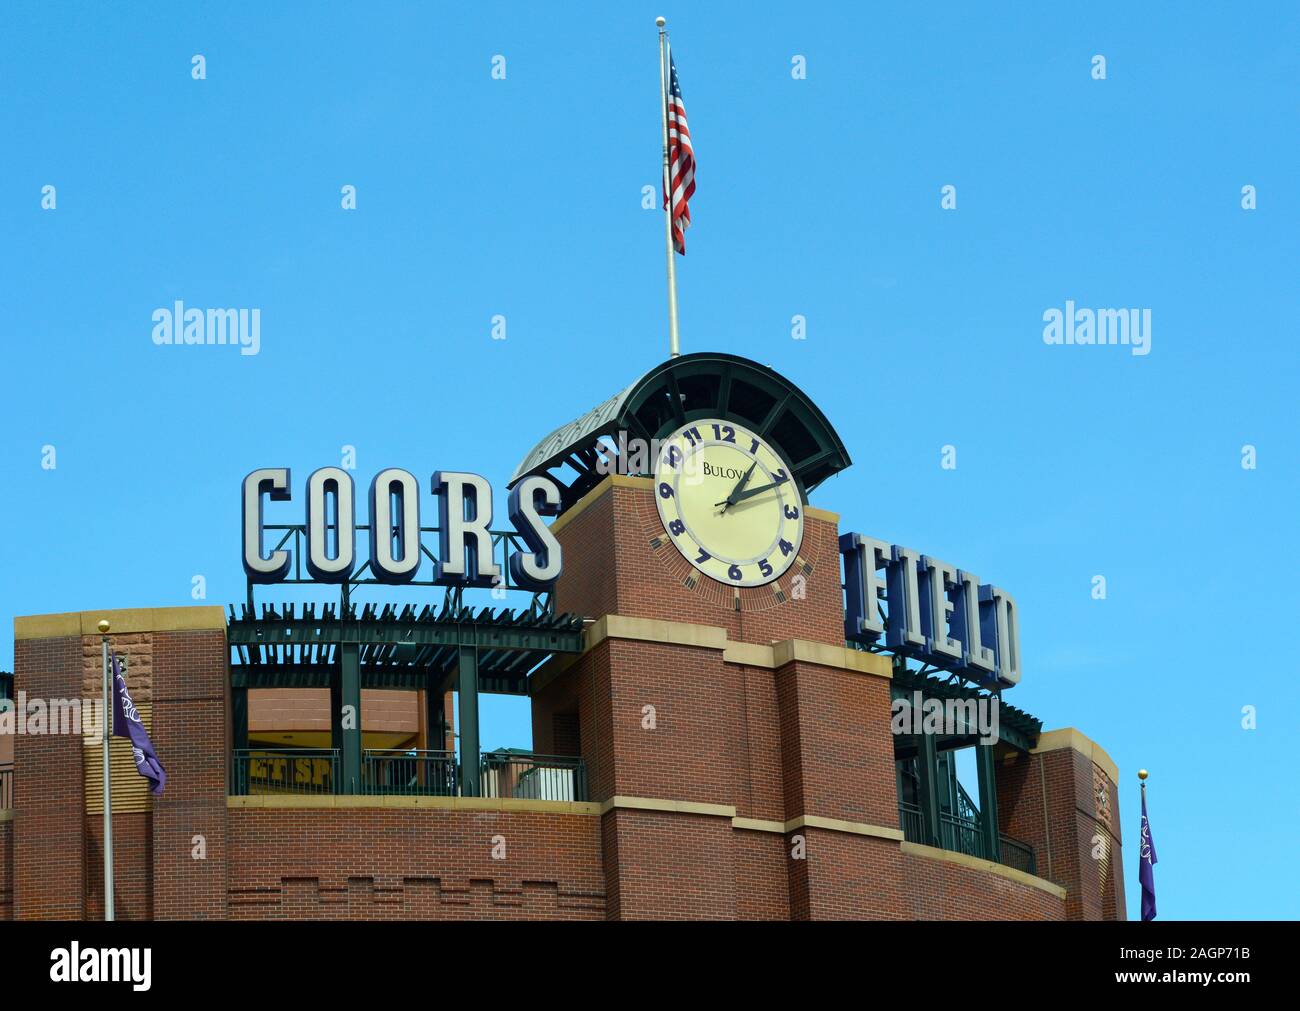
x=728 y=502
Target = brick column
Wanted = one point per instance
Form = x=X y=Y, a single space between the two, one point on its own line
x=191 y=733
x=839 y=772
x=1062 y=800
x=49 y=823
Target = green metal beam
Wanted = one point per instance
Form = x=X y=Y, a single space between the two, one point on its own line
x=350 y=701
x=467 y=694
x=927 y=767
x=987 y=772
x=239 y=717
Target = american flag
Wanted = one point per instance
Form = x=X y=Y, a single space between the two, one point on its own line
x=681 y=160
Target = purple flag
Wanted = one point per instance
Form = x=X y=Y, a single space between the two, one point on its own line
x=1146 y=865
x=126 y=723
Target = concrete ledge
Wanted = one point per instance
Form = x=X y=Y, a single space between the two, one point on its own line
x=1068 y=737
x=758 y=825
x=852 y=827
x=975 y=863
x=7 y=814
x=677 y=633
x=814 y=821
x=125 y=621
x=831 y=656
x=680 y=633
x=675 y=806
x=308 y=802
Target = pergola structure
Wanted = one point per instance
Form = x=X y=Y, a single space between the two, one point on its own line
x=944 y=815
x=347 y=648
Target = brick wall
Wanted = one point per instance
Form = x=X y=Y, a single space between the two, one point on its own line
x=611 y=567
x=939 y=890
x=49 y=806
x=416 y=864
x=191 y=735
x=1049 y=800
x=6 y=870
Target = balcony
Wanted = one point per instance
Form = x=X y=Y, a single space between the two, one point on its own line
x=964 y=834
x=505 y=774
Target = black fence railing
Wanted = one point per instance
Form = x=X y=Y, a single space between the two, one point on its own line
x=909 y=819
x=963 y=835
x=6 y=786
x=1019 y=855
x=255 y=771
x=410 y=772
x=534 y=777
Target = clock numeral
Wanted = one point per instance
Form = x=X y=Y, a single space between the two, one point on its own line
x=765 y=568
x=780 y=476
x=729 y=436
x=785 y=546
x=665 y=490
x=791 y=513
x=677 y=528
x=735 y=573
x=673 y=456
x=693 y=436
x=753 y=447
x=704 y=556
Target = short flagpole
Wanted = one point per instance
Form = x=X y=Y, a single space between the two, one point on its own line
x=674 y=343
x=106 y=733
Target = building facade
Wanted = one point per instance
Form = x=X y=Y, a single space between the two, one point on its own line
x=700 y=750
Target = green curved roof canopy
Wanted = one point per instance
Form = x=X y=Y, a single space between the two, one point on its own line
x=683 y=389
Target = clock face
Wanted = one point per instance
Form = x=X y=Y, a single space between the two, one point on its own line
x=728 y=502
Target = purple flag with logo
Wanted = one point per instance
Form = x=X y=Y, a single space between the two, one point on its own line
x=1146 y=871
x=126 y=723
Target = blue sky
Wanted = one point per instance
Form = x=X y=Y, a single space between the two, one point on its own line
x=817 y=197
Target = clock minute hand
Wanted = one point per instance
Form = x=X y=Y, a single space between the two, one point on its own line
x=740 y=497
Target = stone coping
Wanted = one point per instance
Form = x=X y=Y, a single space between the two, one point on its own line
x=324 y=802
x=7 y=814
x=123 y=621
x=311 y=802
x=978 y=864
x=1068 y=737
x=680 y=633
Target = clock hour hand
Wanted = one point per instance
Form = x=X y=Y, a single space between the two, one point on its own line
x=744 y=480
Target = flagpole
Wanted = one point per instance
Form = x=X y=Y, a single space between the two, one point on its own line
x=674 y=344
x=105 y=734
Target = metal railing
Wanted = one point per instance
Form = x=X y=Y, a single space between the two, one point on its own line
x=1019 y=855
x=533 y=777
x=6 y=786
x=409 y=772
x=909 y=820
x=963 y=835
x=296 y=771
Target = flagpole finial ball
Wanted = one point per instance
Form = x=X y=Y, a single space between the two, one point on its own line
x=660 y=22
x=103 y=627
x=1142 y=773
